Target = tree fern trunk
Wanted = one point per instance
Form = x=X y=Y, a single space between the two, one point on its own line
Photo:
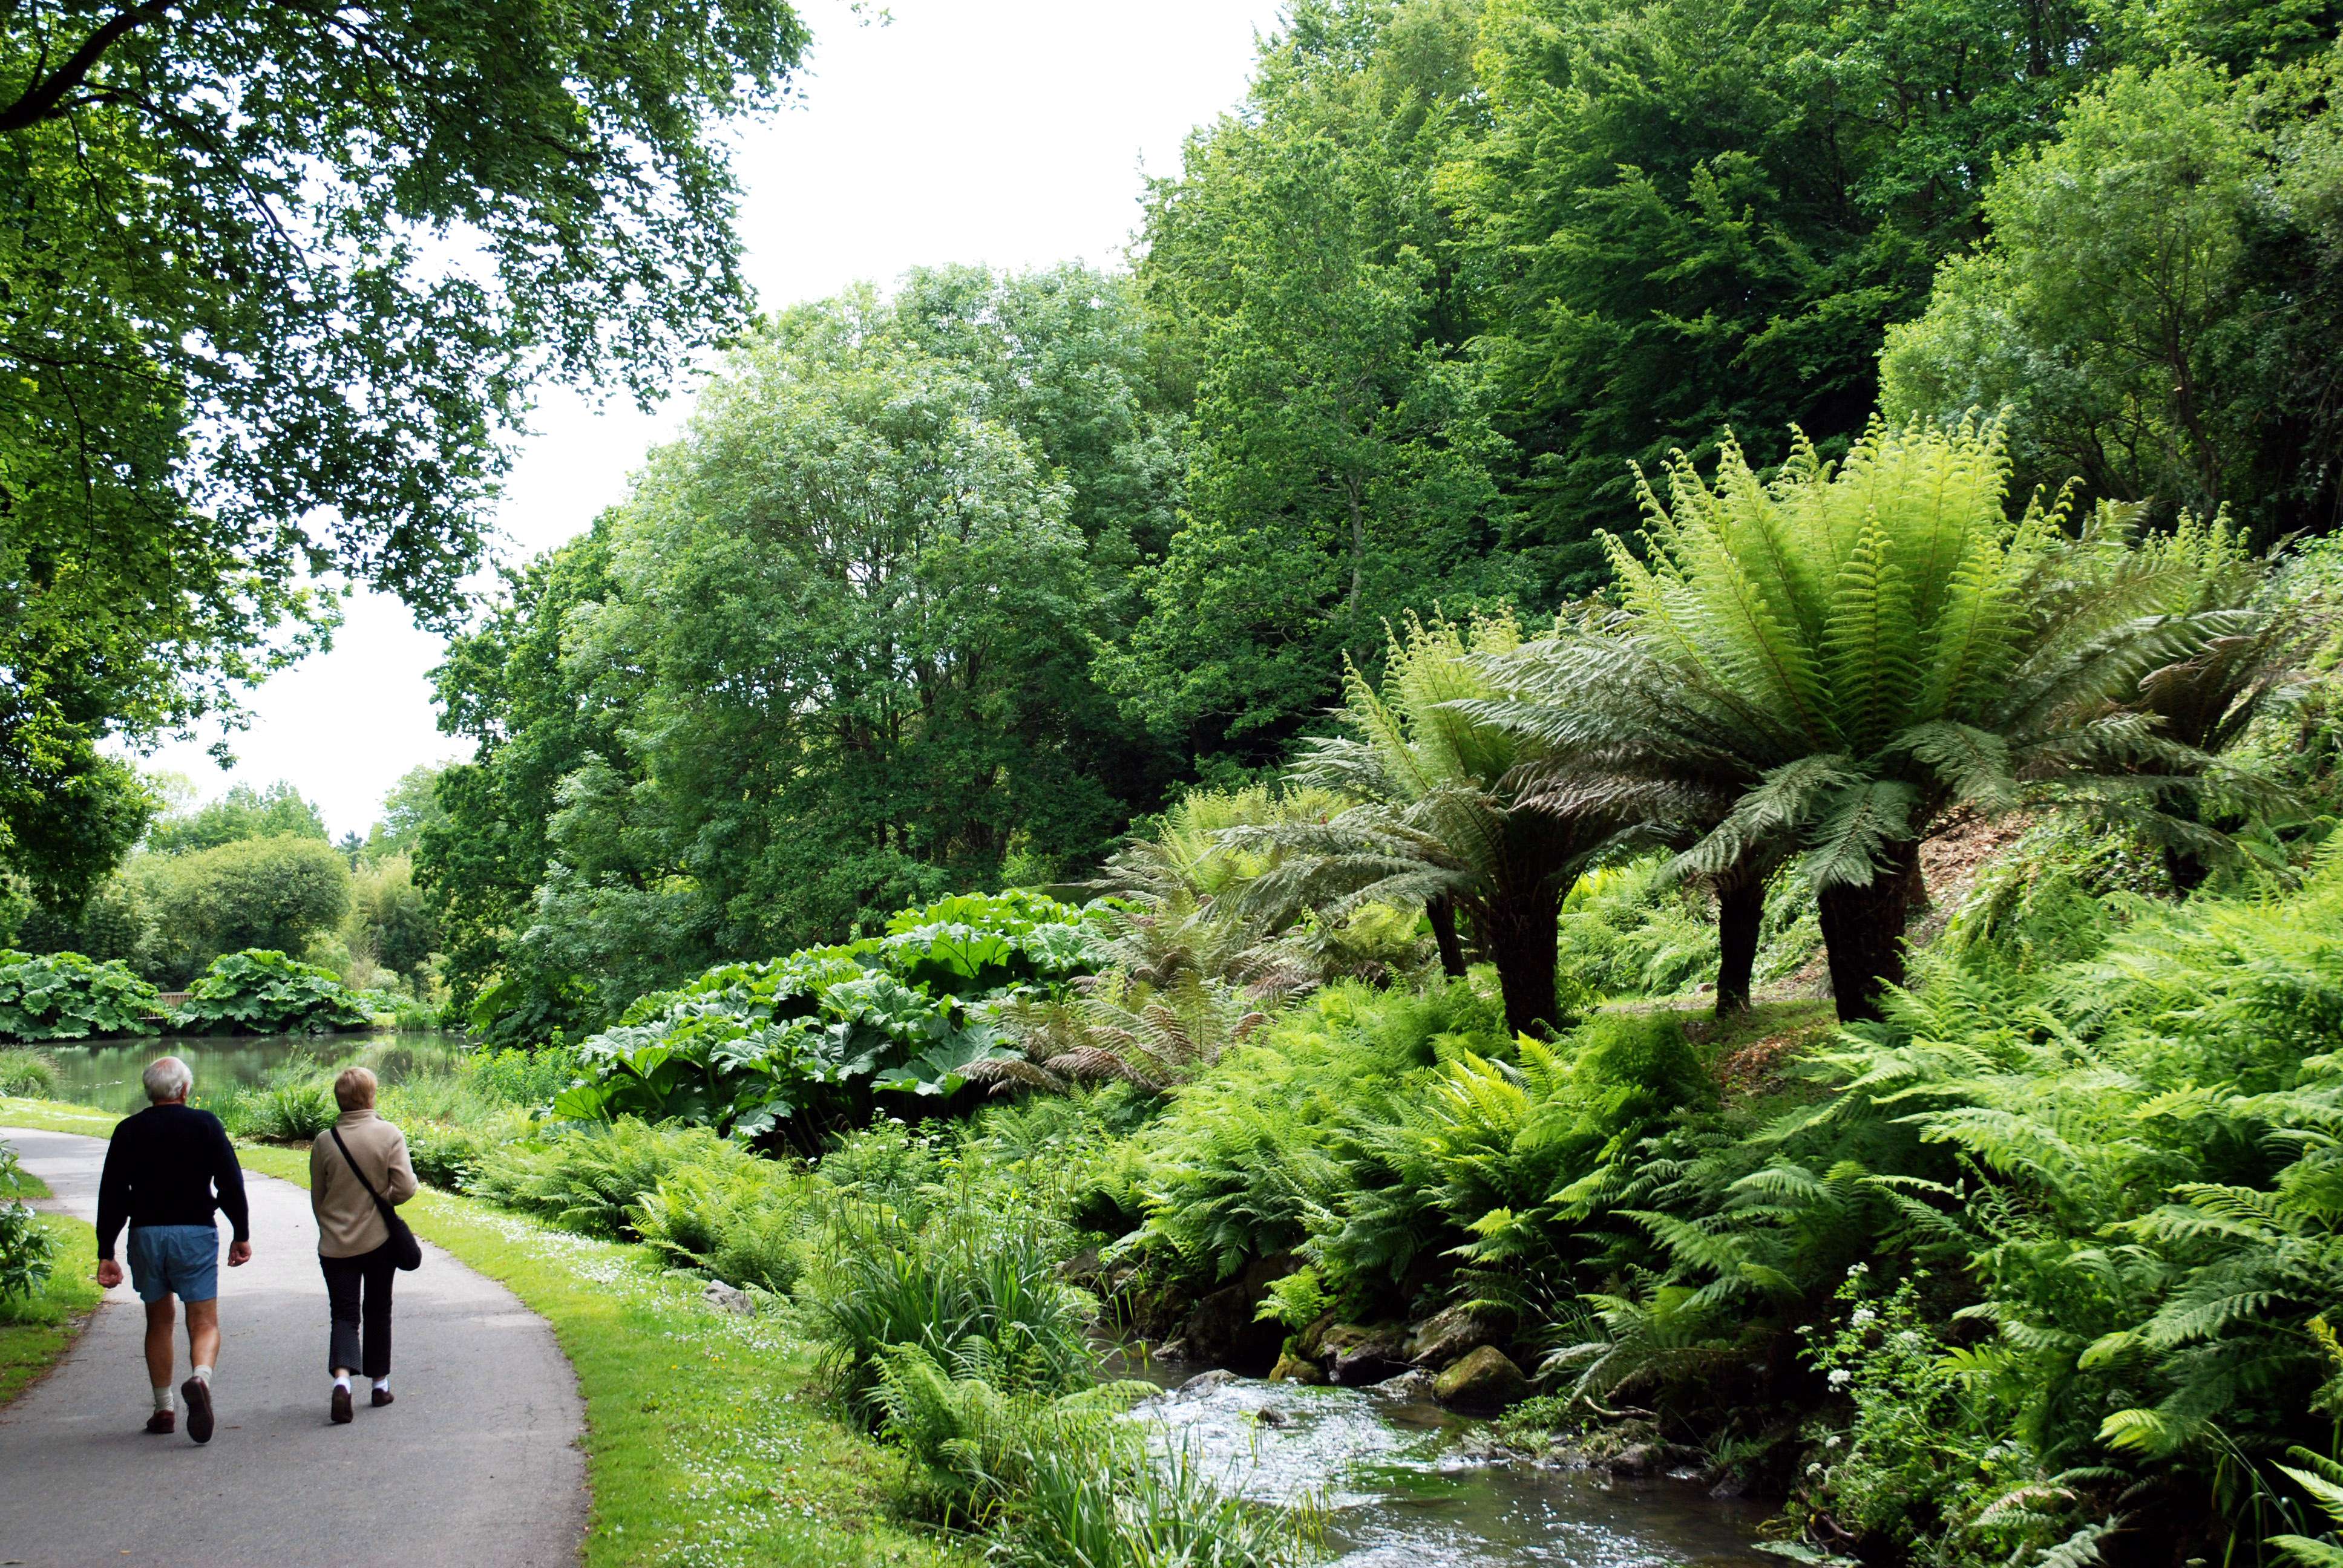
x=1442 y=913
x=1863 y=929
x=1740 y=911
x=1522 y=939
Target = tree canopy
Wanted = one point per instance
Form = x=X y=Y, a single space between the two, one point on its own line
x=831 y=657
x=279 y=278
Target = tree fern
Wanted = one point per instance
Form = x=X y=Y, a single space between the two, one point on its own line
x=1827 y=661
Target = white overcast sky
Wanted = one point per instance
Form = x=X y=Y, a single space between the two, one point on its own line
x=1006 y=131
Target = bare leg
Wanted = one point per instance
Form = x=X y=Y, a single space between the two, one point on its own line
x=202 y=1336
x=159 y=1320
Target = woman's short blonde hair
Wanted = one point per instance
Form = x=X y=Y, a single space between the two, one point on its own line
x=354 y=1090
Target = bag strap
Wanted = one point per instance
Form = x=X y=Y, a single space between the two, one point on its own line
x=353 y=1164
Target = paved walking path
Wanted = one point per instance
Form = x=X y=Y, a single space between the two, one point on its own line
x=475 y=1464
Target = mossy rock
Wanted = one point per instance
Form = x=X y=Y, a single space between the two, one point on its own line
x=1484 y=1384
x=1448 y=1336
x=1291 y=1368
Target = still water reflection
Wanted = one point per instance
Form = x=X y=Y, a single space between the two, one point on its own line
x=107 y=1075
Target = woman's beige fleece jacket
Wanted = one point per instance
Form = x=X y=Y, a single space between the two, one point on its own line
x=347 y=1224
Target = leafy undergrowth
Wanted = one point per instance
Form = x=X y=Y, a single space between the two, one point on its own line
x=705 y=1442
x=36 y=1331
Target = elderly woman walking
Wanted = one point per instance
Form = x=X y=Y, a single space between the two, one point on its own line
x=362 y=1157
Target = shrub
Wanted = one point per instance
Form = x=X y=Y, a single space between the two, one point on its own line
x=64 y=996
x=261 y=991
x=295 y=1108
x=889 y=1165
x=591 y=1177
x=746 y=1226
x=27 y=1252
x=1265 y=1146
x=1923 y=1461
x=449 y=1155
x=528 y=1077
x=2129 y=1162
x=28 y=1074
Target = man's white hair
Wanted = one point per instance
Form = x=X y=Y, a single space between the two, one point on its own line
x=166 y=1079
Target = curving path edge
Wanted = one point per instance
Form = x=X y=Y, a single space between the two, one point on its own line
x=477 y=1464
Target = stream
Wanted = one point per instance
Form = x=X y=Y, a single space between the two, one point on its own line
x=1403 y=1486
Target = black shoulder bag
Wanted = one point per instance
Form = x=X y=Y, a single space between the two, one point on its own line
x=405 y=1251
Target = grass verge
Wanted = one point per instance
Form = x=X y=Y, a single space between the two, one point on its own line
x=705 y=1441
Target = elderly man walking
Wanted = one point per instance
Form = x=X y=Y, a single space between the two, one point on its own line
x=167 y=1169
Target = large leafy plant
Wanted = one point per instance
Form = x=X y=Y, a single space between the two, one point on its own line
x=262 y=992
x=747 y=1046
x=64 y=996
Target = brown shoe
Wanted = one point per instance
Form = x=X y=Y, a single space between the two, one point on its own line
x=382 y=1396
x=199 y=1395
x=342 y=1412
x=162 y=1423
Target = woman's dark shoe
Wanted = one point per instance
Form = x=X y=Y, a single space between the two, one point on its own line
x=342 y=1412
x=382 y=1396
x=199 y=1395
x=162 y=1423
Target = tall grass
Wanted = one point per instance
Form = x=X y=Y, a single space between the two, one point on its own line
x=1065 y=1478
x=28 y=1074
x=971 y=1276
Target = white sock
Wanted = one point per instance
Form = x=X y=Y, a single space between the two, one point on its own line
x=382 y=1385
x=163 y=1398
x=204 y=1376
x=342 y=1380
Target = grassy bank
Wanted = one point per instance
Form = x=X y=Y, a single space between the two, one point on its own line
x=35 y=1331
x=704 y=1443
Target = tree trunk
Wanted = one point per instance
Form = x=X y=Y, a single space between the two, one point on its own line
x=2185 y=868
x=1522 y=939
x=1740 y=910
x=1863 y=929
x=1442 y=913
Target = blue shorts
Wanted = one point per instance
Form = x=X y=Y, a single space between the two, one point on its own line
x=174 y=1259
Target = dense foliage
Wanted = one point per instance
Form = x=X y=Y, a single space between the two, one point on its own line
x=746 y=1047
x=2155 y=298
x=279 y=811
x=262 y=992
x=831 y=658
x=65 y=996
x=254 y=869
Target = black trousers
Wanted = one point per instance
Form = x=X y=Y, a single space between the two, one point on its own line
x=360 y=1291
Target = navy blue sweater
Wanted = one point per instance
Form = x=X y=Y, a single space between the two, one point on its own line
x=169 y=1165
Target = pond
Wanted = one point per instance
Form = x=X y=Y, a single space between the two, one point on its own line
x=1403 y=1484
x=107 y=1075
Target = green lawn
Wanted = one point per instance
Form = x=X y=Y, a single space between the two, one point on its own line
x=35 y=1331
x=705 y=1442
